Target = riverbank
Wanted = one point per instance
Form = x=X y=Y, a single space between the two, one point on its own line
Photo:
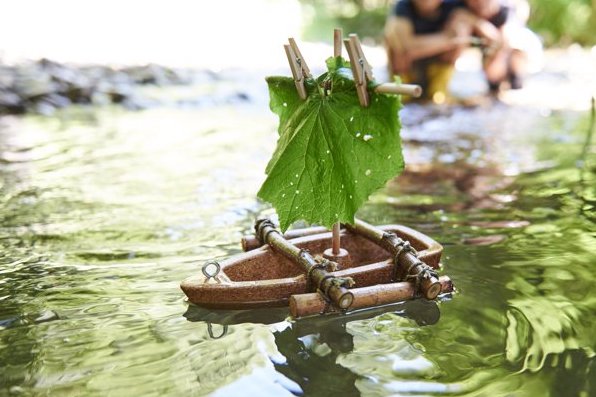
x=44 y=86
x=567 y=81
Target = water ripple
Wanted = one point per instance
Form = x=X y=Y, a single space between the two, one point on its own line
x=103 y=214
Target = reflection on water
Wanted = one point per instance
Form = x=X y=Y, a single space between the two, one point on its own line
x=104 y=212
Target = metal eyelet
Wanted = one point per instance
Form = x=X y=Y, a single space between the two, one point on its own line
x=210 y=270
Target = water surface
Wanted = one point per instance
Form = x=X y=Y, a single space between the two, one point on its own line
x=104 y=211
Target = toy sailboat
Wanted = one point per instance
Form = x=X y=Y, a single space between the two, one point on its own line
x=374 y=266
x=293 y=269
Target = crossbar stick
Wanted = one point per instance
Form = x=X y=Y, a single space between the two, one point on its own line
x=400 y=89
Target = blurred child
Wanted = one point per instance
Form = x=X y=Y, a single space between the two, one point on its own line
x=510 y=46
x=423 y=40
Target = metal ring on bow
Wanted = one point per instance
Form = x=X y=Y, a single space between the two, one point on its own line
x=211 y=269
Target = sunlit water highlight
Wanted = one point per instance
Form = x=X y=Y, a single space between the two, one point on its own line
x=105 y=211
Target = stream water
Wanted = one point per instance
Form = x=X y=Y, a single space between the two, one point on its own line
x=104 y=211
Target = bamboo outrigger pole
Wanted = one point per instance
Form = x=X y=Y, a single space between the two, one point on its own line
x=304 y=305
x=334 y=289
x=407 y=265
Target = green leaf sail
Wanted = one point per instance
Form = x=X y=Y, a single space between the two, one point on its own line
x=331 y=153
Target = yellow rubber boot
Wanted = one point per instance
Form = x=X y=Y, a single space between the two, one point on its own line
x=433 y=78
x=439 y=75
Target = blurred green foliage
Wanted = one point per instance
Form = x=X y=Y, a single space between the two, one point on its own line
x=558 y=22
x=562 y=22
x=365 y=17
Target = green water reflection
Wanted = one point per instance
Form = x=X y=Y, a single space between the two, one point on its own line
x=104 y=212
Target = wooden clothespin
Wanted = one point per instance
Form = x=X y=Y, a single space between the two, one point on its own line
x=367 y=68
x=361 y=69
x=298 y=65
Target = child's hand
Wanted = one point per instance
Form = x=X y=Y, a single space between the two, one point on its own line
x=494 y=45
x=492 y=37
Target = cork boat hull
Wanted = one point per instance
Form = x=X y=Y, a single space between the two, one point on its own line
x=262 y=277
